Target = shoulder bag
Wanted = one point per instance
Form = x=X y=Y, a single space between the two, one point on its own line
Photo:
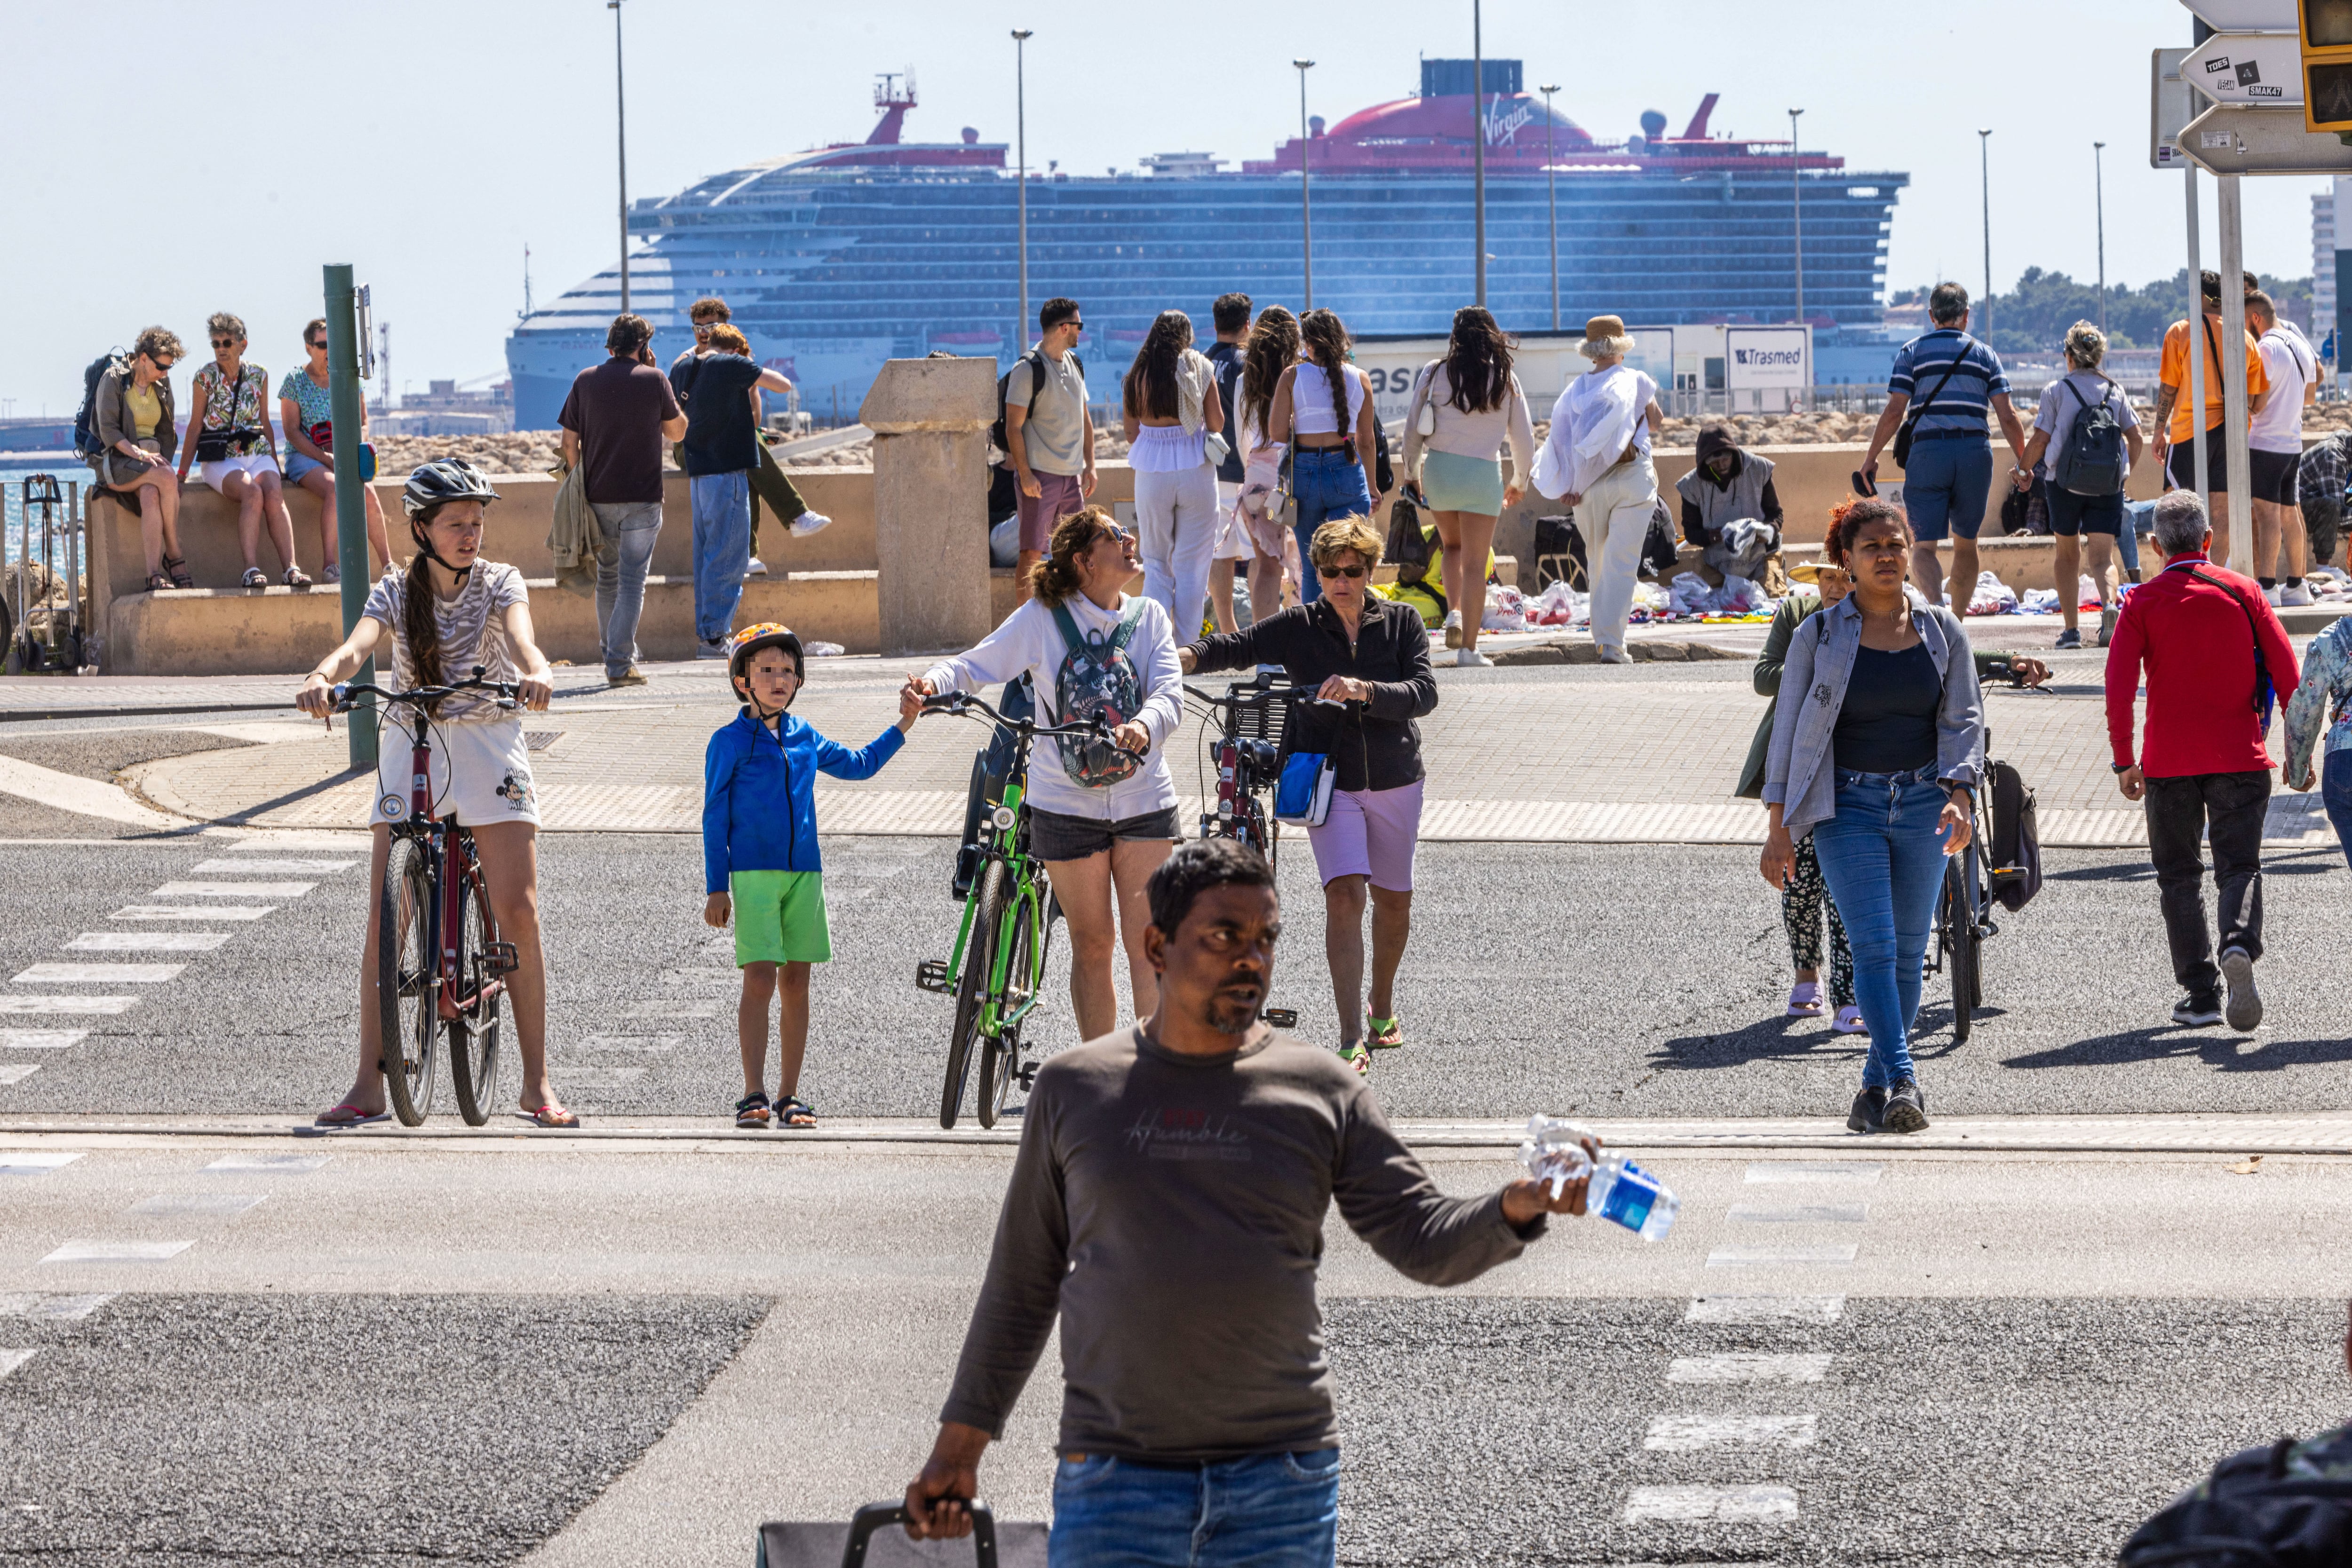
x=1911 y=415
x=219 y=445
x=2265 y=692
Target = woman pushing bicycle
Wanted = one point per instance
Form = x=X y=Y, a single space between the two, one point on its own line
x=446 y=613
x=1101 y=821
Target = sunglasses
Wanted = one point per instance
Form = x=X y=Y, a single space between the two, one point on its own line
x=1339 y=572
x=226 y=342
x=314 y=344
x=160 y=364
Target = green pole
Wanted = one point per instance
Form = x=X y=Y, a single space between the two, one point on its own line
x=351 y=509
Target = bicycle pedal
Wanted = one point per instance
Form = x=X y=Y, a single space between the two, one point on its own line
x=1281 y=1017
x=500 y=958
x=931 y=975
x=1026 y=1077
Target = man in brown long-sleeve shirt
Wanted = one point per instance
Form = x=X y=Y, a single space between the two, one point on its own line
x=1168 y=1202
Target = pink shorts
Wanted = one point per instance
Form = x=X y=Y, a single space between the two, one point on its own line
x=1370 y=833
x=1058 y=495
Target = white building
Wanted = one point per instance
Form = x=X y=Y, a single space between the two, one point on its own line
x=2323 y=262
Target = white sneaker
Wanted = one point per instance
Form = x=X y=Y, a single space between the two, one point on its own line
x=808 y=523
x=755 y=567
x=714 y=649
x=1471 y=656
x=2271 y=593
x=1454 y=628
x=1612 y=655
x=2294 y=594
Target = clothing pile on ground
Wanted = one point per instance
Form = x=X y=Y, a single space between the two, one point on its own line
x=1740 y=598
x=1994 y=597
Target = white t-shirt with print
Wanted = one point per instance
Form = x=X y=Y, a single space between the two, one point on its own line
x=472 y=631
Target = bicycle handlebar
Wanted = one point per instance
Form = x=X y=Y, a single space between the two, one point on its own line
x=346 y=693
x=1254 y=697
x=956 y=705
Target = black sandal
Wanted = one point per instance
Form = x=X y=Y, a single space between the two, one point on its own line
x=752 y=1111
x=176 y=569
x=792 y=1111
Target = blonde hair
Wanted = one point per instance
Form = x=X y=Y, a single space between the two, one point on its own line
x=1341 y=534
x=1057 y=578
x=728 y=340
x=2085 y=345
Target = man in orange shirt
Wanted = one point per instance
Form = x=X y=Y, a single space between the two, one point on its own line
x=2174 y=447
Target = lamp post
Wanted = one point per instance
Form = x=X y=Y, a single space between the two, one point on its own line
x=1478 y=146
x=1796 y=212
x=1552 y=191
x=2099 y=188
x=1021 y=168
x=1306 y=209
x=1984 y=169
x=621 y=127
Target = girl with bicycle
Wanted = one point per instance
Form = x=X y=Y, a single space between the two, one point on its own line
x=1101 y=823
x=449 y=612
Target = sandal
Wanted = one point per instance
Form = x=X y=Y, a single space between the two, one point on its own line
x=157 y=582
x=752 y=1111
x=176 y=569
x=1354 y=1054
x=296 y=577
x=792 y=1111
x=255 y=578
x=1386 y=1034
x=1805 y=999
x=551 y=1115
x=347 y=1114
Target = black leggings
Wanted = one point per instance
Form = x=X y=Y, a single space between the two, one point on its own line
x=1802 y=902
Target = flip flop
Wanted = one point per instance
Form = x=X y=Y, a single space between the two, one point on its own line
x=347 y=1114
x=1386 y=1034
x=551 y=1115
x=1356 y=1057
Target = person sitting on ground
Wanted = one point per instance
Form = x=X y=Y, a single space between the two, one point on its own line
x=232 y=440
x=1369 y=656
x=2096 y=520
x=138 y=433
x=307 y=415
x=760 y=859
x=1191 y=1412
x=1730 y=511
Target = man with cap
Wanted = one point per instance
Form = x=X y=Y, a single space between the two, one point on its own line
x=1729 y=508
x=1597 y=459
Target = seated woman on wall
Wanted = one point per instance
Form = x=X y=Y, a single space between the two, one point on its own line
x=138 y=431
x=239 y=458
x=306 y=416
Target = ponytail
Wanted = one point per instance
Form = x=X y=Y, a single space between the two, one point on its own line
x=420 y=630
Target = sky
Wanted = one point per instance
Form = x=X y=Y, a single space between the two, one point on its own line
x=428 y=141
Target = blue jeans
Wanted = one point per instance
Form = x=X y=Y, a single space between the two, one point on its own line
x=1944 y=486
x=1326 y=484
x=1275 y=1511
x=1884 y=861
x=2335 y=794
x=630 y=529
x=722 y=548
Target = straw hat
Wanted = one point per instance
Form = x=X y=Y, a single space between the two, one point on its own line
x=1605 y=335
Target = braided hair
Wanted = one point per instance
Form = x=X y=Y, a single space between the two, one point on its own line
x=1324 y=339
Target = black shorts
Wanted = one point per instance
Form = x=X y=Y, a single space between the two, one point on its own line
x=2272 y=475
x=2182 y=463
x=2070 y=514
x=1053 y=836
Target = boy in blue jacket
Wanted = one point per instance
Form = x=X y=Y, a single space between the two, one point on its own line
x=758 y=844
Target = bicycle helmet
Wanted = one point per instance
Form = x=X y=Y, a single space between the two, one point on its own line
x=445 y=479
x=766 y=634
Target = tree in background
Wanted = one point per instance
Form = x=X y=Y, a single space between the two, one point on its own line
x=2032 y=318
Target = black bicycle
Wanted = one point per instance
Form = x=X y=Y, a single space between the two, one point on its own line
x=1251 y=718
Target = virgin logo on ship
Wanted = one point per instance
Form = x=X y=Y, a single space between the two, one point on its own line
x=1503 y=128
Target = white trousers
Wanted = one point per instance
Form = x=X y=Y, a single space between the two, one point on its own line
x=1177 y=524
x=1614 y=519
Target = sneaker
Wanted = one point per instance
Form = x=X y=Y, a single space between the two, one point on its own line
x=2294 y=592
x=1454 y=628
x=1613 y=655
x=1805 y=999
x=2196 y=1011
x=755 y=567
x=716 y=648
x=808 y=523
x=2107 y=625
x=1906 y=1108
x=2070 y=638
x=1472 y=658
x=628 y=677
x=1849 y=1022
x=331 y=574
x=1869 y=1113
x=2244 y=1009
x=2272 y=594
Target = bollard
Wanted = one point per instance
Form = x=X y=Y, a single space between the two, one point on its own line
x=929 y=419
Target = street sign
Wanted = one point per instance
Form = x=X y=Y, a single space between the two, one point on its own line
x=2228 y=139
x=2244 y=16
x=2170 y=105
x=2264 y=70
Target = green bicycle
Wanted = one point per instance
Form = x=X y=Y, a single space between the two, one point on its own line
x=997 y=972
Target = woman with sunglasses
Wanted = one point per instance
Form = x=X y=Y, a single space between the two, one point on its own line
x=138 y=433
x=231 y=440
x=1368 y=660
x=1101 y=821
x=306 y=415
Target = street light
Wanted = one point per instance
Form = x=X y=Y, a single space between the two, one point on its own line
x=1021 y=36
x=1478 y=146
x=1305 y=211
x=621 y=124
x=1796 y=212
x=2099 y=185
x=1551 y=190
x=1984 y=166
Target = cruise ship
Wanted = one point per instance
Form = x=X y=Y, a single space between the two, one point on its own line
x=835 y=259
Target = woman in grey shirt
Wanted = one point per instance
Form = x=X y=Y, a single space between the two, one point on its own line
x=1875 y=744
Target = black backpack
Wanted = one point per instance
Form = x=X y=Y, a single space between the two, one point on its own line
x=85 y=430
x=2250 y=1514
x=1407 y=546
x=1036 y=359
x=2092 y=462
x=2016 y=840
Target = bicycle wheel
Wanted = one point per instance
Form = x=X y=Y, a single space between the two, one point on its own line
x=407 y=1000
x=1956 y=922
x=979 y=956
x=1025 y=976
x=474 y=1032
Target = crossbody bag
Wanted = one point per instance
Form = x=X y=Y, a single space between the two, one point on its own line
x=216 y=445
x=1911 y=416
x=2265 y=692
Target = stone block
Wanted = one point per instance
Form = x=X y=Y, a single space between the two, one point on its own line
x=920 y=395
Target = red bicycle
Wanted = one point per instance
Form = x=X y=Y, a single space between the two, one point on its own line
x=440 y=960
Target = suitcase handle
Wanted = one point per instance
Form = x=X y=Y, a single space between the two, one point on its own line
x=875 y=1515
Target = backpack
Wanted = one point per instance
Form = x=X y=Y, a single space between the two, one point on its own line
x=1036 y=359
x=2250 y=1514
x=85 y=441
x=2092 y=462
x=1097 y=677
x=2016 y=837
x=1407 y=543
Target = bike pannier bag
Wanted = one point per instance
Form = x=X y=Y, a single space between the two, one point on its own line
x=2016 y=840
x=1303 y=798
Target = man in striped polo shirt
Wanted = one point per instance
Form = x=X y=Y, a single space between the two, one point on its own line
x=1955 y=379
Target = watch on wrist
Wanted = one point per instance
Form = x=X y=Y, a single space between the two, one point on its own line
x=2123 y=767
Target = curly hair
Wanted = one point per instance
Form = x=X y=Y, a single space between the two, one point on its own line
x=2085 y=345
x=1845 y=526
x=154 y=341
x=1057 y=578
x=1341 y=535
x=1477 y=361
x=1150 y=388
x=1272 y=348
x=223 y=324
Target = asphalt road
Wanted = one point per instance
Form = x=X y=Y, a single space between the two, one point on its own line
x=1619 y=981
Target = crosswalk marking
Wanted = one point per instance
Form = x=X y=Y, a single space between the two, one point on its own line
x=232 y=889
x=1749 y=1366
x=1729 y=1505
x=33 y=1162
x=1799 y=1214
x=602 y=1077
x=281 y=1165
x=17 y=1072
x=147 y=942
x=217 y=1204
x=660 y=1008
x=256 y=867
x=638 y=1043
x=98 y=975
x=1687 y=1434
x=1765 y=1310
x=10 y=1360
x=118 y=1251
x=13 y=1004
x=43 y=1304
x=41 y=1039
x=1776 y=1257
x=1817 y=1172
x=193 y=911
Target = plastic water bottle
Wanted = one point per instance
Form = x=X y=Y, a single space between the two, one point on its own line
x=1623 y=1192
x=1553 y=1152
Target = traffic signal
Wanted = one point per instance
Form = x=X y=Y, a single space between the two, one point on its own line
x=2326 y=38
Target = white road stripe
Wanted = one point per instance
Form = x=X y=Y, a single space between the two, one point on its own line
x=1746 y=1366
x=232 y=889
x=118 y=1251
x=83 y=797
x=1687 y=1434
x=41 y=1304
x=1781 y=1257
x=147 y=942
x=214 y=1204
x=273 y=842
x=33 y=1161
x=41 y=1039
x=602 y=1077
x=17 y=1072
x=634 y=1042
x=1816 y=1172
x=257 y=867
x=10 y=1360
x=1728 y=1505
x=193 y=911
x=10 y=1005
x=1765 y=1310
x=659 y=1009
x=98 y=975
x=1800 y=1214
x=281 y=1165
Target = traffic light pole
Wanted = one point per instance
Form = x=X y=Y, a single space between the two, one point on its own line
x=2195 y=328
x=351 y=507
x=2228 y=213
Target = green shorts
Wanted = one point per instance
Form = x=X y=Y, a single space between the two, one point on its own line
x=780 y=917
